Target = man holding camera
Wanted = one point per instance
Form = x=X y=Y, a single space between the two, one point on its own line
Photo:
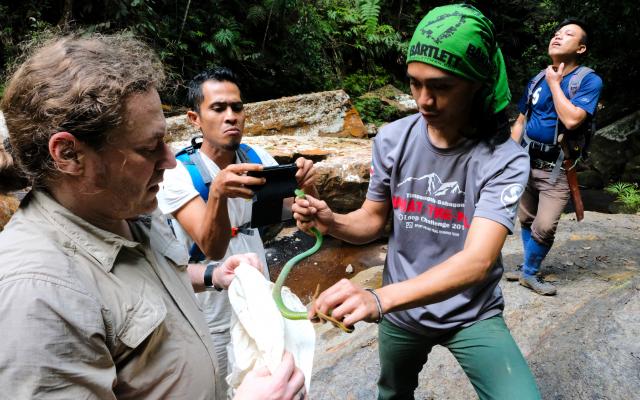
x=208 y=194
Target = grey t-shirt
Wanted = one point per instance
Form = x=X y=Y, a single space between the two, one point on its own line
x=435 y=193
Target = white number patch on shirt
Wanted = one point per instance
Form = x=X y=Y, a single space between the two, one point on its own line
x=536 y=96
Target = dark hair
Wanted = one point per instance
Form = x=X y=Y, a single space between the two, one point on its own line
x=575 y=21
x=491 y=128
x=73 y=84
x=195 y=97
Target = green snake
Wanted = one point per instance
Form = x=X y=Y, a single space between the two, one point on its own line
x=277 y=288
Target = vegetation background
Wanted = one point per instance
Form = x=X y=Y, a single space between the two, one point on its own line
x=288 y=47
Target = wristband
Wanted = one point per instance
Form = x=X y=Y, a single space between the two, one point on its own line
x=378 y=304
x=208 y=278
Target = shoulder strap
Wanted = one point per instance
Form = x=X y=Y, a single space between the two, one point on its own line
x=201 y=179
x=526 y=140
x=576 y=80
x=247 y=154
x=190 y=157
x=532 y=87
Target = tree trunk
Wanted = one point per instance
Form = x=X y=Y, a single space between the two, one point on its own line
x=65 y=18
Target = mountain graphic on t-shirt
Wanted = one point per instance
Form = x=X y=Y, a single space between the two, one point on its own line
x=435 y=186
x=448 y=188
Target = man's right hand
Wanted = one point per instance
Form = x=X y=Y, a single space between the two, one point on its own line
x=286 y=383
x=311 y=212
x=232 y=181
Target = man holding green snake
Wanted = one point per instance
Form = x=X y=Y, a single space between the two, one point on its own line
x=452 y=179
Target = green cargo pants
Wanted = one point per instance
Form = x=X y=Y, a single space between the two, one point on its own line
x=485 y=350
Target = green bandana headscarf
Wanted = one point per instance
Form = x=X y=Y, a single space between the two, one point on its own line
x=460 y=39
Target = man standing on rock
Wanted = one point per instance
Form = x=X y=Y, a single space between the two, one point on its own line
x=560 y=100
x=213 y=219
x=452 y=179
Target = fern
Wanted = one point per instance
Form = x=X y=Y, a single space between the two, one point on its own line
x=225 y=37
x=256 y=14
x=369 y=13
x=626 y=193
x=620 y=188
x=209 y=48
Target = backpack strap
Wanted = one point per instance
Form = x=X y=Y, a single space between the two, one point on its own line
x=192 y=160
x=574 y=86
x=576 y=80
x=247 y=154
x=532 y=87
x=526 y=140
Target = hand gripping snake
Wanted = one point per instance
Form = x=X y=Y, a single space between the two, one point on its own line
x=277 y=288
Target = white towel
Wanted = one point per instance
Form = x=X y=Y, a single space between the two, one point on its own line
x=259 y=333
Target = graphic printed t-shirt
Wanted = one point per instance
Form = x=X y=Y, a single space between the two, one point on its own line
x=177 y=190
x=435 y=193
x=541 y=126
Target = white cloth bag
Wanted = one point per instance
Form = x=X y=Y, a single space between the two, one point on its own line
x=259 y=333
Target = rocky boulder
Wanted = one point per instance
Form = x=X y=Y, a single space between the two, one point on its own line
x=342 y=164
x=615 y=148
x=403 y=103
x=384 y=105
x=8 y=205
x=580 y=344
x=308 y=115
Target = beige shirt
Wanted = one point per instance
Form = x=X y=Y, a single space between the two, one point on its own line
x=85 y=313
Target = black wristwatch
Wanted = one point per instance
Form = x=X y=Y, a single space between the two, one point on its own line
x=208 y=277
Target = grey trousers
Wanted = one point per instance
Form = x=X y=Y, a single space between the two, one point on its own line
x=542 y=204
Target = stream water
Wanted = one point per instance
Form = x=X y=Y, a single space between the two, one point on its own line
x=326 y=267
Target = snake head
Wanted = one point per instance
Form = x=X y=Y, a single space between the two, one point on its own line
x=324 y=317
x=299 y=193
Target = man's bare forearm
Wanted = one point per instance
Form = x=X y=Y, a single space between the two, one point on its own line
x=463 y=270
x=518 y=128
x=216 y=228
x=196 y=275
x=570 y=115
x=360 y=226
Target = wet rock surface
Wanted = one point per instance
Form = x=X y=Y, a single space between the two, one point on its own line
x=580 y=344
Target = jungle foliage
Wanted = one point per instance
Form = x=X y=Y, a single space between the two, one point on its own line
x=627 y=195
x=286 y=47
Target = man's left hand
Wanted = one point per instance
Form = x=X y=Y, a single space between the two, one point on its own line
x=224 y=274
x=350 y=303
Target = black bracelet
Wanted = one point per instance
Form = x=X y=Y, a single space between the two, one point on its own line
x=208 y=277
x=378 y=304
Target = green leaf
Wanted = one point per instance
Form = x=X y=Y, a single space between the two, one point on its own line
x=369 y=13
